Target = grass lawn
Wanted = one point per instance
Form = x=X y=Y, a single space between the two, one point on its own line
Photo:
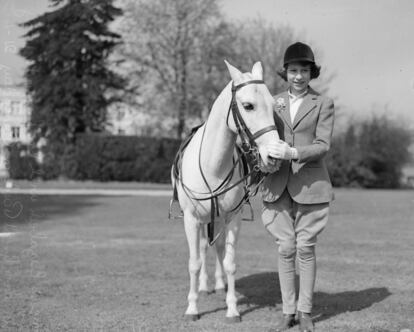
x=93 y=263
x=70 y=184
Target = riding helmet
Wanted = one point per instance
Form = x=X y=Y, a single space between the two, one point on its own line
x=298 y=52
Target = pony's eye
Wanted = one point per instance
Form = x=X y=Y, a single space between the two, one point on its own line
x=248 y=106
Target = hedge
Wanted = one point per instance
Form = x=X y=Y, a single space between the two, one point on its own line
x=21 y=161
x=122 y=158
x=106 y=158
x=369 y=154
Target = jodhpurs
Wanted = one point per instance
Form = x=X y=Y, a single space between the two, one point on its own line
x=295 y=228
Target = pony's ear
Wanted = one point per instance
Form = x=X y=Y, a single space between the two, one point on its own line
x=234 y=72
x=257 y=70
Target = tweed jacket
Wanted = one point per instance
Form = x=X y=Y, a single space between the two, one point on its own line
x=306 y=179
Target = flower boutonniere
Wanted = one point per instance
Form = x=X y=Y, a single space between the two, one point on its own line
x=280 y=104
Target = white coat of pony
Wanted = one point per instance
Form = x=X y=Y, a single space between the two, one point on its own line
x=217 y=139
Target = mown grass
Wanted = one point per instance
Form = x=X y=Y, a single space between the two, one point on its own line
x=117 y=264
x=72 y=184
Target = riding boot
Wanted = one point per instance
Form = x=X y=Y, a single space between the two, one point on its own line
x=285 y=323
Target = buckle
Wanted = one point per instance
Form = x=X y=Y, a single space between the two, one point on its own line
x=245 y=147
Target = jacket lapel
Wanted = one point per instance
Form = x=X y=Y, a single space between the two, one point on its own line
x=308 y=104
x=284 y=112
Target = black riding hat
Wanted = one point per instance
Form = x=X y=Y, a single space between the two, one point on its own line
x=298 y=52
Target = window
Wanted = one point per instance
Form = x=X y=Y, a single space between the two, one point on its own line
x=15 y=107
x=15 y=132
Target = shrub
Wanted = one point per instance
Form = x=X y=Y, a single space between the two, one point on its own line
x=21 y=161
x=123 y=158
x=370 y=154
x=100 y=158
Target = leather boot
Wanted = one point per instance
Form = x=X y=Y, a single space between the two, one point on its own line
x=285 y=323
x=305 y=322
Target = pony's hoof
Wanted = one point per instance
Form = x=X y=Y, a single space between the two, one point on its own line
x=192 y=317
x=203 y=293
x=232 y=320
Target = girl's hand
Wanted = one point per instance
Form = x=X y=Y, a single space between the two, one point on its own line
x=280 y=150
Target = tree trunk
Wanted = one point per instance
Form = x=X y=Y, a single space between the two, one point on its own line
x=182 y=104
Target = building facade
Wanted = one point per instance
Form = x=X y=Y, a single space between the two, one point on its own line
x=125 y=119
x=15 y=117
x=14 y=120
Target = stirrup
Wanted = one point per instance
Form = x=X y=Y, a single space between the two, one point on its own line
x=211 y=243
x=249 y=217
x=175 y=212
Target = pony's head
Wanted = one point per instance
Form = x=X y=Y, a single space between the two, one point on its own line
x=255 y=107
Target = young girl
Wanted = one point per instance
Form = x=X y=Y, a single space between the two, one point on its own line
x=296 y=198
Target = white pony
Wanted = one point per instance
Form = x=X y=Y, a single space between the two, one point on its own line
x=210 y=184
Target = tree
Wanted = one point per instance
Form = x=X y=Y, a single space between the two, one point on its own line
x=370 y=154
x=259 y=40
x=175 y=51
x=165 y=40
x=68 y=81
x=345 y=160
x=384 y=148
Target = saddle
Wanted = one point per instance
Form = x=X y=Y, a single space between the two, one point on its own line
x=248 y=172
x=248 y=150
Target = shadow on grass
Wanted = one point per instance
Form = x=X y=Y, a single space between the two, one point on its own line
x=259 y=291
x=206 y=313
x=262 y=290
x=22 y=209
x=327 y=305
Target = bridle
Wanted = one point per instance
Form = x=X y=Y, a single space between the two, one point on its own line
x=248 y=144
x=248 y=151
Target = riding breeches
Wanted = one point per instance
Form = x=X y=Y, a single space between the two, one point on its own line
x=295 y=228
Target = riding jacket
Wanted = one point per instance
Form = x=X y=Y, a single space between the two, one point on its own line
x=306 y=178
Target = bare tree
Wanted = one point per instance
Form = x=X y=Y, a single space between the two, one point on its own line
x=165 y=40
x=174 y=52
x=260 y=40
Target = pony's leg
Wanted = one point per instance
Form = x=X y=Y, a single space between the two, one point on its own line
x=229 y=264
x=192 y=231
x=219 y=274
x=203 y=279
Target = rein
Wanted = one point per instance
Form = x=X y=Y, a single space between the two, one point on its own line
x=248 y=150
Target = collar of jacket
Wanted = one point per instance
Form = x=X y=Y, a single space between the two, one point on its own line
x=309 y=103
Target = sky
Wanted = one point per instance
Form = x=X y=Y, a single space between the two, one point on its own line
x=13 y=12
x=368 y=45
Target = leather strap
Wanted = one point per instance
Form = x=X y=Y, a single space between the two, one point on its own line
x=248 y=141
x=237 y=87
x=263 y=131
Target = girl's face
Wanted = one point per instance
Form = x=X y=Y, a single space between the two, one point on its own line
x=298 y=77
